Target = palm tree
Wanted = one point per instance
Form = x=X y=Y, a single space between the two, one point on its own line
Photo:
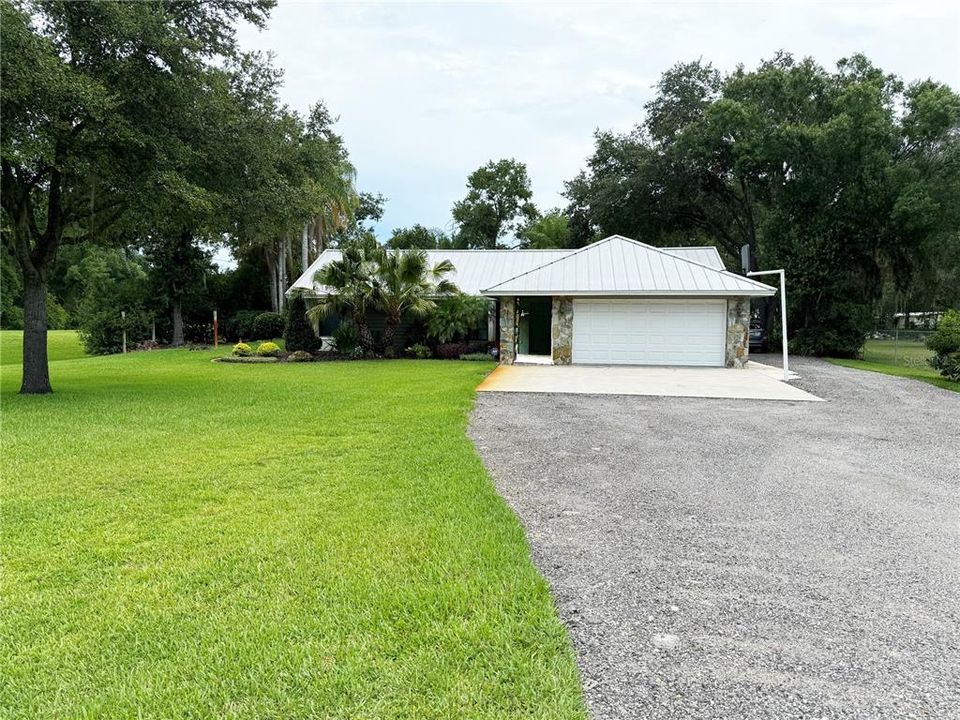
x=335 y=203
x=404 y=283
x=350 y=289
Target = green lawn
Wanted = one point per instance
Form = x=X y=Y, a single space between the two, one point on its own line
x=188 y=539
x=61 y=345
x=904 y=358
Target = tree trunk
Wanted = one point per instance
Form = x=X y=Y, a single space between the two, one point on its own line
x=284 y=267
x=304 y=249
x=177 y=321
x=363 y=332
x=272 y=272
x=36 y=371
x=390 y=335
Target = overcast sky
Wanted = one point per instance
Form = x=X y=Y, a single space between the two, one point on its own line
x=426 y=93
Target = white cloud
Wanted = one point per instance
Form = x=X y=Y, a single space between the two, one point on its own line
x=426 y=93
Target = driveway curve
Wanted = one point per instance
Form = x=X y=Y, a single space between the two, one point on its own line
x=745 y=559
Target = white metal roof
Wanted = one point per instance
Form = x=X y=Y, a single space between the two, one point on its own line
x=703 y=254
x=620 y=266
x=473 y=269
x=478 y=270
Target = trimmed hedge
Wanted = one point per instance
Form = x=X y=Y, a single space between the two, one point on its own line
x=268 y=325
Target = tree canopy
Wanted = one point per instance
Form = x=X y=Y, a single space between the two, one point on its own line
x=498 y=203
x=846 y=178
x=87 y=130
x=143 y=126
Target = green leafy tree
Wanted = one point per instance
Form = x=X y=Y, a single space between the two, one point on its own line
x=418 y=237
x=82 y=104
x=841 y=177
x=550 y=231
x=498 y=203
x=111 y=282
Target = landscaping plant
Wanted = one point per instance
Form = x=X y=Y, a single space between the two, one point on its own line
x=945 y=343
x=420 y=352
x=240 y=324
x=456 y=316
x=345 y=338
x=268 y=325
x=299 y=334
x=242 y=350
x=268 y=349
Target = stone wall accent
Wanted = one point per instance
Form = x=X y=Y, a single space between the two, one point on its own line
x=508 y=330
x=738 y=332
x=561 y=327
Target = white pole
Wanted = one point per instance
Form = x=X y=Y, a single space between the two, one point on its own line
x=783 y=314
x=123 y=314
x=153 y=331
x=783 y=325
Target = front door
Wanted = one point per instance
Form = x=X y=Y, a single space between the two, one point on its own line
x=533 y=325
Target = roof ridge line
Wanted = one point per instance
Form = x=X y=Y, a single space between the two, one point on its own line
x=560 y=259
x=635 y=242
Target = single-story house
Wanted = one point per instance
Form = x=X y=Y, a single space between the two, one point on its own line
x=614 y=302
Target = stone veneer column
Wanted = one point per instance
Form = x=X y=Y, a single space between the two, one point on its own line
x=561 y=326
x=738 y=332
x=508 y=330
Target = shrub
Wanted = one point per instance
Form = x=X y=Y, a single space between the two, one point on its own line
x=345 y=338
x=300 y=356
x=476 y=356
x=242 y=350
x=102 y=332
x=421 y=352
x=456 y=316
x=268 y=325
x=948 y=365
x=453 y=350
x=268 y=349
x=946 y=338
x=299 y=334
x=945 y=342
x=240 y=324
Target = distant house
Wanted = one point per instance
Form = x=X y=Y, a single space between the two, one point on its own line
x=614 y=302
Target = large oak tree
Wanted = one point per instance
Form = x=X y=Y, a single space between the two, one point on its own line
x=85 y=124
x=845 y=178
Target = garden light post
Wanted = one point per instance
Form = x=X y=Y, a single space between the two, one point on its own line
x=123 y=317
x=215 y=339
x=783 y=314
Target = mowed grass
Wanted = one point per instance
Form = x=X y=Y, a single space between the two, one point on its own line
x=185 y=539
x=61 y=345
x=904 y=358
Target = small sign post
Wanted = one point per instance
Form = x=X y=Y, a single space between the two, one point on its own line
x=123 y=315
x=216 y=340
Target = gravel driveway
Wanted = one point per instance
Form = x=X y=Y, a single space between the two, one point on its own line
x=746 y=559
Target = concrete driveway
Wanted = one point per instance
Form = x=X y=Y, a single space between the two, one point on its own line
x=755 y=382
x=747 y=560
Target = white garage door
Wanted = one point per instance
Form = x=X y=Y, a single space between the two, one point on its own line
x=649 y=332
